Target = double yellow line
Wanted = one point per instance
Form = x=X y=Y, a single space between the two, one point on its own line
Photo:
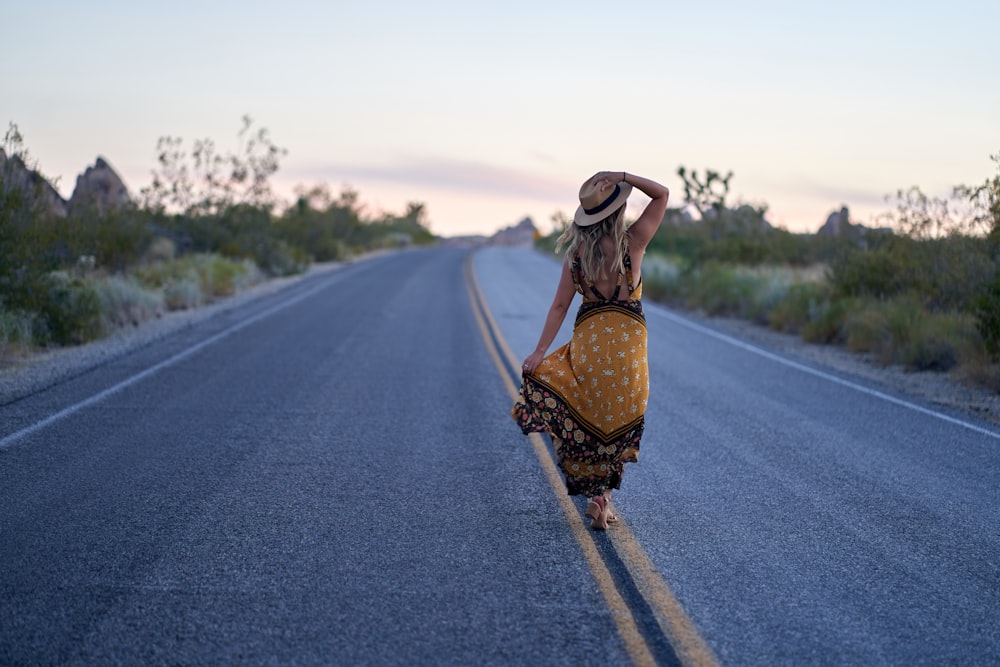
x=688 y=645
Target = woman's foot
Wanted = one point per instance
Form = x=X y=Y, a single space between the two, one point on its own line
x=593 y=508
x=607 y=501
x=599 y=510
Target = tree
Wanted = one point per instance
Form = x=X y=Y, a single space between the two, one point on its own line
x=705 y=195
x=207 y=182
x=985 y=203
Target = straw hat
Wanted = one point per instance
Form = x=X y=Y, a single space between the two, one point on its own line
x=599 y=199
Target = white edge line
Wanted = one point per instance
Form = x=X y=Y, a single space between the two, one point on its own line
x=97 y=398
x=826 y=376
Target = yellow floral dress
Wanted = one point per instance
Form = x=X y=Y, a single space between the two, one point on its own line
x=590 y=394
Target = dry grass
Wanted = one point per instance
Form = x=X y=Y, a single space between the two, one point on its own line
x=899 y=331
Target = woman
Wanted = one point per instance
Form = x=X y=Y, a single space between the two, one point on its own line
x=590 y=394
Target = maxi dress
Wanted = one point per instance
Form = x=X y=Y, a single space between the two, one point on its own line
x=590 y=394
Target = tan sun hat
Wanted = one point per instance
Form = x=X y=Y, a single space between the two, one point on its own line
x=599 y=199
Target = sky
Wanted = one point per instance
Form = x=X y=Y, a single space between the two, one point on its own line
x=490 y=112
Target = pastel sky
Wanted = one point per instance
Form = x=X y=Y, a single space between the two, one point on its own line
x=488 y=112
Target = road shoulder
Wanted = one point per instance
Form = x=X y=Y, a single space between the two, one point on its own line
x=40 y=369
x=941 y=389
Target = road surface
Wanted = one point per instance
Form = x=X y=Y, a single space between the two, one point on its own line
x=328 y=475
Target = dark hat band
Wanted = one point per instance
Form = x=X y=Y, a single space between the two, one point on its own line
x=604 y=204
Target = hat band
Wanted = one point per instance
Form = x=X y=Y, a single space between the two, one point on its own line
x=604 y=204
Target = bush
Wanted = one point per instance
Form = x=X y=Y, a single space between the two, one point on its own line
x=866 y=273
x=183 y=293
x=883 y=328
x=826 y=324
x=124 y=302
x=987 y=312
x=940 y=270
x=661 y=277
x=796 y=309
x=720 y=290
x=809 y=309
x=865 y=328
x=940 y=342
x=760 y=294
x=15 y=326
x=901 y=331
x=69 y=309
x=280 y=259
x=196 y=279
x=978 y=369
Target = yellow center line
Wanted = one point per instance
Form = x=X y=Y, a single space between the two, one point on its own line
x=691 y=649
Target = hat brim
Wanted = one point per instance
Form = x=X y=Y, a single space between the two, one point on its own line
x=582 y=219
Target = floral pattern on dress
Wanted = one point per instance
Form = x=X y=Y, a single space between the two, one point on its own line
x=590 y=395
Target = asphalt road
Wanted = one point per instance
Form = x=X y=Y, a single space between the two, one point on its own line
x=800 y=516
x=329 y=475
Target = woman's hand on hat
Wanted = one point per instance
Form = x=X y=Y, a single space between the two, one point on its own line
x=612 y=177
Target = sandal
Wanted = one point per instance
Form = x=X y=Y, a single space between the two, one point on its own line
x=599 y=511
x=594 y=511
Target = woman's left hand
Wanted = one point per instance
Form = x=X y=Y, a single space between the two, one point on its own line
x=531 y=362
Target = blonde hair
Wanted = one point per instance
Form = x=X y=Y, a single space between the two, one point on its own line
x=586 y=242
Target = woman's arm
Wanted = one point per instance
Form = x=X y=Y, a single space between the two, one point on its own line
x=642 y=230
x=554 y=320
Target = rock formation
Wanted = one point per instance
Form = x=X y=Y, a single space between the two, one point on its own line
x=15 y=175
x=523 y=233
x=99 y=188
x=837 y=223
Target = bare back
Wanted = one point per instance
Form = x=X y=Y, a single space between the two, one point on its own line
x=606 y=286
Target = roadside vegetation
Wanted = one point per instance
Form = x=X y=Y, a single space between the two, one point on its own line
x=207 y=227
x=920 y=290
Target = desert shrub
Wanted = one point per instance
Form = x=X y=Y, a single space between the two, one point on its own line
x=866 y=272
x=125 y=302
x=797 y=308
x=903 y=317
x=901 y=331
x=281 y=259
x=933 y=345
x=116 y=238
x=69 y=311
x=183 y=293
x=219 y=277
x=759 y=293
x=826 y=321
x=16 y=326
x=161 y=249
x=720 y=290
x=865 y=328
x=979 y=369
x=661 y=277
x=191 y=280
x=15 y=331
x=987 y=312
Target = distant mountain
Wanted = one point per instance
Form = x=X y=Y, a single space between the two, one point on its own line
x=15 y=175
x=838 y=224
x=523 y=233
x=98 y=187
